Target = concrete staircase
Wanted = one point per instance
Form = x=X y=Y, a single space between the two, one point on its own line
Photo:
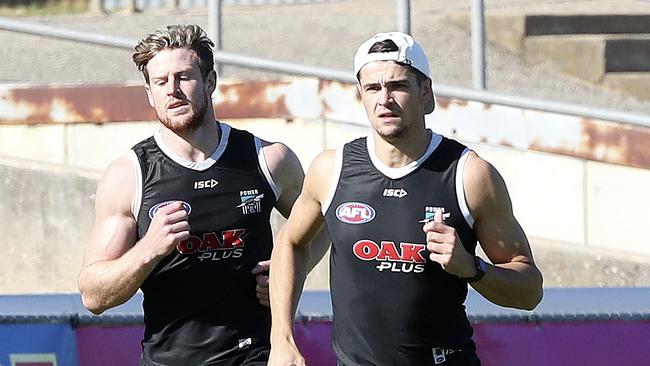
x=612 y=50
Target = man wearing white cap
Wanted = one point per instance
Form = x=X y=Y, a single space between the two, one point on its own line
x=405 y=208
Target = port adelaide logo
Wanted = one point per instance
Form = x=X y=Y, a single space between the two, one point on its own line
x=158 y=206
x=430 y=213
x=251 y=201
x=355 y=213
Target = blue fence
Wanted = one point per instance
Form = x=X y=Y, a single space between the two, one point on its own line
x=565 y=329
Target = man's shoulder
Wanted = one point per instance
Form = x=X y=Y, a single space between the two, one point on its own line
x=276 y=150
x=324 y=163
x=449 y=142
x=144 y=146
x=120 y=167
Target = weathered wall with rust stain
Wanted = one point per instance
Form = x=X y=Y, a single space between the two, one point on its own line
x=579 y=187
x=317 y=99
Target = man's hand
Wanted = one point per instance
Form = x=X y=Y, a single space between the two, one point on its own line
x=261 y=272
x=285 y=354
x=168 y=227
x=446 y=249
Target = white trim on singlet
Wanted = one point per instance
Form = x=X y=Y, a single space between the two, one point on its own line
x=396 y=173
x=334 y=182
x=265 y=168
x=460 y=188
x=137 y=194
x=194 y=165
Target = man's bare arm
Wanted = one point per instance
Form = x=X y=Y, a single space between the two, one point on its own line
x=287 y=171
x=290 y=260
x=114 y=267
x=513 y=280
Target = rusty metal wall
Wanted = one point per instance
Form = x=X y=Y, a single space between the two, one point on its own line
x=307 y=98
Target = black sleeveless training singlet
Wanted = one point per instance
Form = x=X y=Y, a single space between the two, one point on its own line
x=391 y=303
x=200 y=304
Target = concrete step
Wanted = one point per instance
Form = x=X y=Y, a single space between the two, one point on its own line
x=510 y=29
x=590 y=57
x=633 y=83
x=540 y=25
x=608 y=49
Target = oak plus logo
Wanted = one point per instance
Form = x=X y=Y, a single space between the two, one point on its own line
x=214 y=247
x=355 y=213
x=394 y=192
x=405 y=258
x=203 y=184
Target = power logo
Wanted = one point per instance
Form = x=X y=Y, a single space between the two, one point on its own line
x=230 y=244
x=251 y=201
x=408 y=258
x=430 y=213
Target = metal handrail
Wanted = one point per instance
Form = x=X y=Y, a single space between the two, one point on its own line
x=338 y=75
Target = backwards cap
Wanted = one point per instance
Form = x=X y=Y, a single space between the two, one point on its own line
x=408 y=52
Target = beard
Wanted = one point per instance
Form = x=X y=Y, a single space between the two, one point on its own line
x=393 y=132
x=187 y=122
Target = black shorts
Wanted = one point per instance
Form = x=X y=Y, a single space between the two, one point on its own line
x=258 y=356
x=463 y=358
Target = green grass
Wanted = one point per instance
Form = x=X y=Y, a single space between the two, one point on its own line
x=50 y=8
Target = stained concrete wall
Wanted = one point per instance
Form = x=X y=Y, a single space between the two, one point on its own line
x=583 y=218
x=49 y=176
x=45 y=221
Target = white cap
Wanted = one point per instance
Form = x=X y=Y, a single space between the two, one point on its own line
x=408 y=52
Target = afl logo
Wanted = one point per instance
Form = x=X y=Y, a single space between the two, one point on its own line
x=158 y=206
x=355 y=213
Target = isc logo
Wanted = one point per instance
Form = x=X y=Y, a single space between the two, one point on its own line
x=208 y=183
x=355 y=213
x=394 y=192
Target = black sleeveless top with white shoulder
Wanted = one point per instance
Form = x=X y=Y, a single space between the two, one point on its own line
x=391 y=303
x=200 y=304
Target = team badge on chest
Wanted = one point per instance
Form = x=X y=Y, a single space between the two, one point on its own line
x=355 y=213
x=251 y=201
x=430 y=213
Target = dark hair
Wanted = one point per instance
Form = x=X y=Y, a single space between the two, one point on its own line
x=189 y=36
x=388 y=45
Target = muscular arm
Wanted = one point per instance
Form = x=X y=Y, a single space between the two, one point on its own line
x=289 y=258
x=114 y=267
x=513 y=280
x=288 y=175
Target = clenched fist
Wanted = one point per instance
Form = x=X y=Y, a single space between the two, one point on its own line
x=446 y=249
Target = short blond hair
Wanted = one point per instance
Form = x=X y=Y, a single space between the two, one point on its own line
x=189 y=36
